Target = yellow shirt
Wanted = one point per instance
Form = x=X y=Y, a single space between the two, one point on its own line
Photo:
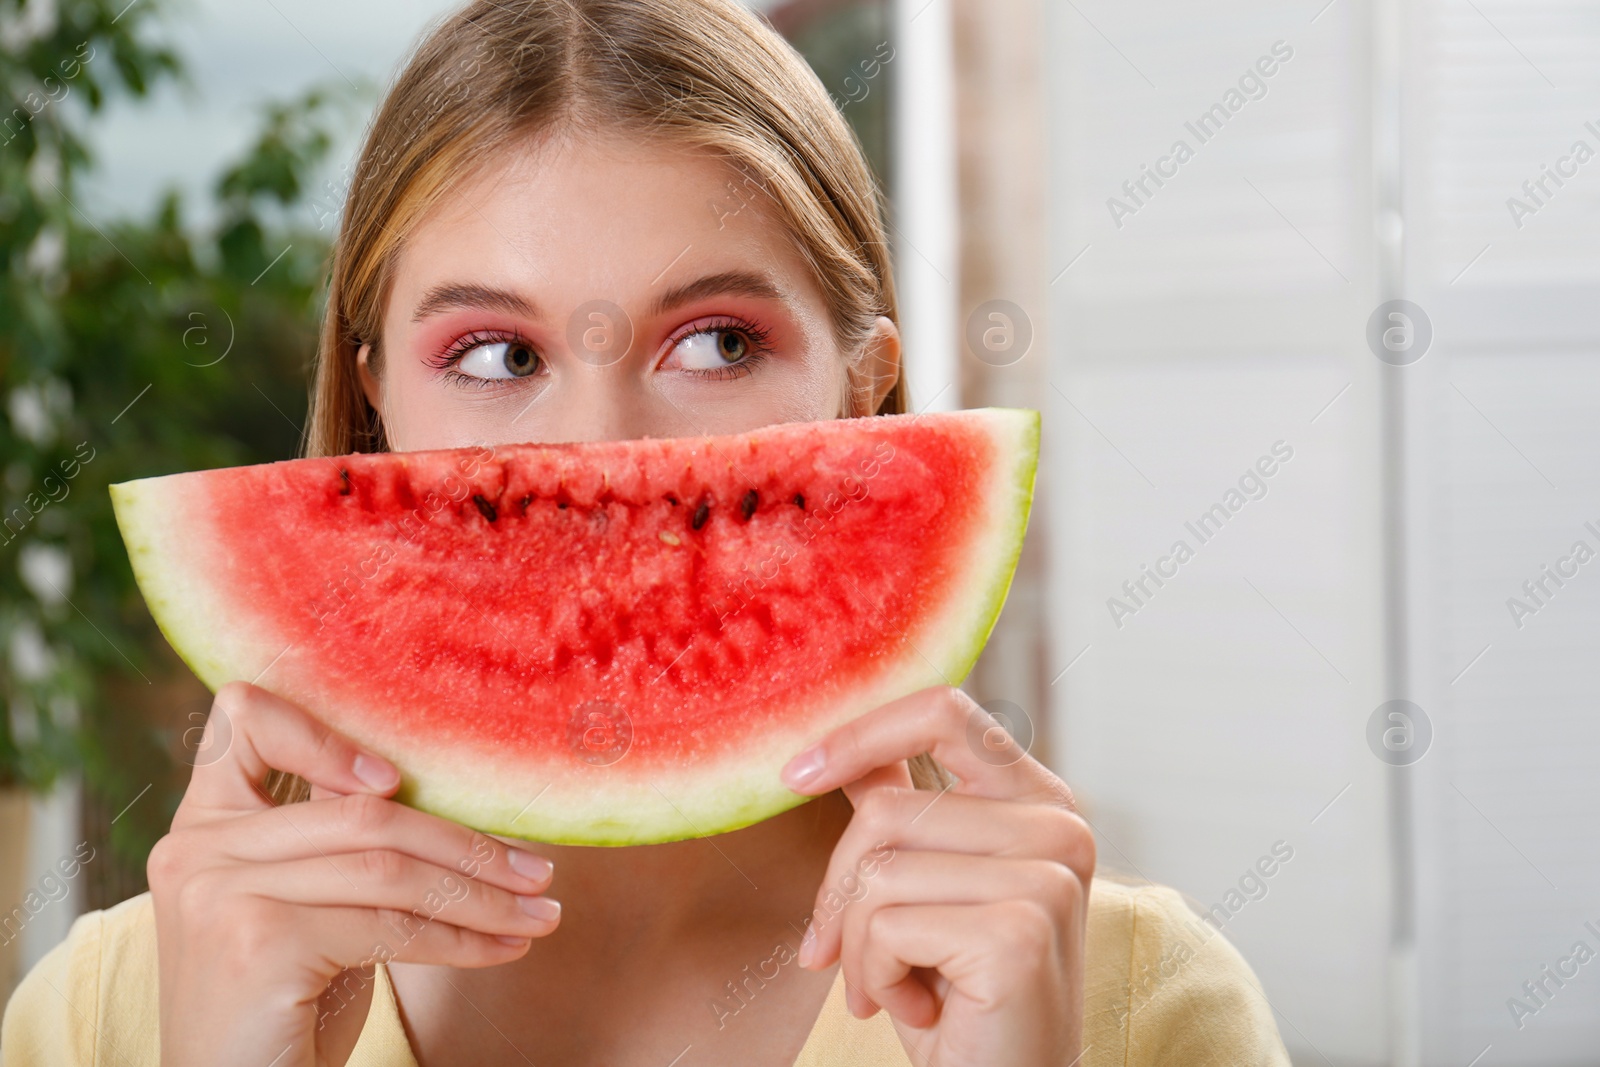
x=1161 y=986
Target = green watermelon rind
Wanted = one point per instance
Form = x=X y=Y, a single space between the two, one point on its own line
x=703 y=803
x=1024 y=474
x=136 y=507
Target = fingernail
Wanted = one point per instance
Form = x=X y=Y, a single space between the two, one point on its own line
x=528 y=865
x=507 y=939
x=542 y=908
x=804 y=768
x=808 y=946
x=376 y=773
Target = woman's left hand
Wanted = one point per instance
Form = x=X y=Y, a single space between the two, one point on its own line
x=961 y=913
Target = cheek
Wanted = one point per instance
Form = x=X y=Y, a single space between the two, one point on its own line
x=416 y=411
x=807 y=389
x=815 y=385
x=784 y=389
x=826 y=392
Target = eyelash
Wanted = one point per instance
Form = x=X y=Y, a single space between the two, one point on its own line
x=447 y=360
x=760 y=348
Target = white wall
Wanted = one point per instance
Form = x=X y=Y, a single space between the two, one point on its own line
x=1508 y=437
x=54 y=847
x=1222 y=316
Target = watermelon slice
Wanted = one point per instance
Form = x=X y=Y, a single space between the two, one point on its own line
x=608 y=643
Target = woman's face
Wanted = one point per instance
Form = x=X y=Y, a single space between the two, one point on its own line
x=596 y=288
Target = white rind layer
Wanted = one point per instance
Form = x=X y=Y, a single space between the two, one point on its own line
x=173 y=549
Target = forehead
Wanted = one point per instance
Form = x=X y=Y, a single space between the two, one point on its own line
x=609 y=216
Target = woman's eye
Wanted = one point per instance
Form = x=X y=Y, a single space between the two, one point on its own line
x=503 y=359
x=711 y=349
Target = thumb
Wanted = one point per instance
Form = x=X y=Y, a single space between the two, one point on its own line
x=266 y=732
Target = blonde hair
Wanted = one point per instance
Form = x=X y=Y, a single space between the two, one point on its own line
x=705 y=74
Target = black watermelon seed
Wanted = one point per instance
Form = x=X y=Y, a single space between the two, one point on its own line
x=562 y=505
x=485 y=507
x=672 y=500
x=800 y=501
x=344 y=479
x=524 y=502
x=747 y=506
x=701 y=514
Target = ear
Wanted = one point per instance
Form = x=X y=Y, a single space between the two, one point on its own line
x=369 y=381
x=880 y=360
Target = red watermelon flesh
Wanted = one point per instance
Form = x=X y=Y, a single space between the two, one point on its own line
x=604 y=643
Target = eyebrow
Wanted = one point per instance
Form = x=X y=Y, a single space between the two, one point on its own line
x=455 y=296
x=727 y=283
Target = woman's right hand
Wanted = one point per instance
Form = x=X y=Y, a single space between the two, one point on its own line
x=259 y=907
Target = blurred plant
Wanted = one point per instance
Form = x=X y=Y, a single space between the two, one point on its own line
x=128 y=348
x=135 y=347
x=846 y=43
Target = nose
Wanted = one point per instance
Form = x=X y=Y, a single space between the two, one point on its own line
x=596 y=403
x=610 y=402
x=604 y=388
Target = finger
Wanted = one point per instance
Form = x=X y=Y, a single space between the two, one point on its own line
x=421 y=939
x=312 y=945
x=958 y=822
x=1000 y=955
x=948 y=878
x=381 y=878
x=894 y=776
x=884 y=977
x=897 y=988
x=943 y=721
x=891 y=822
x=267 y=733
x=347 y=937
x=360 y=822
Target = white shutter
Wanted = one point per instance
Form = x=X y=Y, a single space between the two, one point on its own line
x=1224 y=316
x=1507 y=443
x=1221 y=316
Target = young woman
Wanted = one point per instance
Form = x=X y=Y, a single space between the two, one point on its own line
x=667 y=172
